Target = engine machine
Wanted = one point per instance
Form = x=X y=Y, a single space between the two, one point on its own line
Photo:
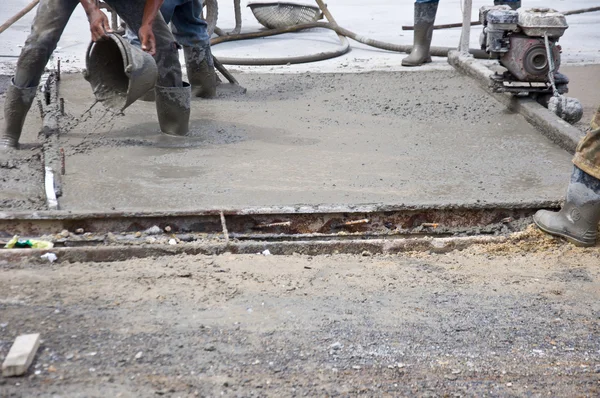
x=525 y=43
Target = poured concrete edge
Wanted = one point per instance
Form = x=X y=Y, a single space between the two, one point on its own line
x=49 y=137
x=275 y=210
x=9 y=257
x=550 y=125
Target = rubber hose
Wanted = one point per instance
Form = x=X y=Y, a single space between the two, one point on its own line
x=435 y=51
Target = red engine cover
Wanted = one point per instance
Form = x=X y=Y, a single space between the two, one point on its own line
x=527 y=59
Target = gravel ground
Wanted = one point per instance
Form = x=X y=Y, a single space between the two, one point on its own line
x=518 y=319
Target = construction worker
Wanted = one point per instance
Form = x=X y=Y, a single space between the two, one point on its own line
x=425 y=11
x=191 y=32
x=50 y=20
x=578 y=219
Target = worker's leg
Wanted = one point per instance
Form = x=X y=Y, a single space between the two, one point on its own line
x=579 y=217
x=50 y=20
x=425 y=11
x=172 y=95
x=514 y=4
x=191 y=31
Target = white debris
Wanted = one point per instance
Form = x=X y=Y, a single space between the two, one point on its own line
x=336 y=346
x=266 y=253
x=50 y=257
x=172 y=242
x=139 y=355
x=155 y=230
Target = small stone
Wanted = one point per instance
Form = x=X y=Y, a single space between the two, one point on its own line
x=79 y=231
x=366 y=253
x=167 y=228
x=3 y=325
x=150 y=239
x=139 y=355
x=69 y=356
x=210 y=348
x=186 y=238
x=508 y=384
x=172 y=242
x=336 y=346
x=64 y=233
x=155 y=230
x=356 y=367
x=51 y=369
x=138 y=234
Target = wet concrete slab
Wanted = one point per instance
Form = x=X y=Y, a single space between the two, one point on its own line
x=585 y=86
x=429 y=138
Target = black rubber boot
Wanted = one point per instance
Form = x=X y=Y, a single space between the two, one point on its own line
x=578 y=220
x=173 y=109
x=201 y=71
x=424 y=20
x=513 y=4
x=17 y=104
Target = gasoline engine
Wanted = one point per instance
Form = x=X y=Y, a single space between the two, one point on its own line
x=525 y=42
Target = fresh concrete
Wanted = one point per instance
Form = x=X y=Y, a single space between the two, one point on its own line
x=585 y=86
x=560 y=132
x=415 y=139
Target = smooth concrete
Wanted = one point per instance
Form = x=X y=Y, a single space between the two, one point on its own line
x=430 y=138
x=585 y=86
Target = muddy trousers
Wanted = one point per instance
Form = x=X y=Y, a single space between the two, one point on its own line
x=587 y=156
x=50 y=21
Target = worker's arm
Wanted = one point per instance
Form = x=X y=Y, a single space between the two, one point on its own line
x=146 y=34
x=98 y=20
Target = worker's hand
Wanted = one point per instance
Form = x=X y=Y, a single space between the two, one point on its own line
x=147 y=38
x=99 y=24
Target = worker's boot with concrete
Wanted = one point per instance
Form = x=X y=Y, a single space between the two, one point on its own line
x=513 y=4
x=17 y=104
x=424 y=20
x=578 y=220
x=201 y=71
x=173 y=109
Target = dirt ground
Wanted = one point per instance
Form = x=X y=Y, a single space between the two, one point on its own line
x=519 y=319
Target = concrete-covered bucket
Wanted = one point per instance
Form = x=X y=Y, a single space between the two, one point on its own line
x=119 y=72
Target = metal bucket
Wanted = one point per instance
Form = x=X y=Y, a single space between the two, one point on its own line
x=119 y=72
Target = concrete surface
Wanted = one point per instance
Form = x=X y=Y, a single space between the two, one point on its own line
x=378 y=19
x=511 y=320
x=402 y=138
x=585 y=86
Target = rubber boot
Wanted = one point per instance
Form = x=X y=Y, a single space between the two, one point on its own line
x=513 y=4
x=201 y=71
x=17 y=104
x=578 y=220
x=424 y=20
x=173 y=109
